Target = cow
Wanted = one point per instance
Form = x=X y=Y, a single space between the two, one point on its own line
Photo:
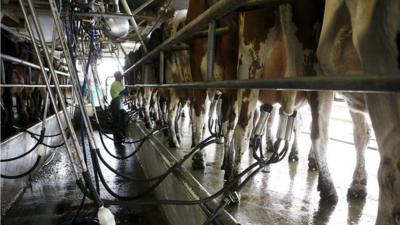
x=363 y=37
x=281 y=41
x=225 y=63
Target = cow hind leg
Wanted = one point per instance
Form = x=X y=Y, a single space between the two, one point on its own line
x=321 y=104
x=294 y=151
x=172 y=112
x=361 y=134
x=385 y=116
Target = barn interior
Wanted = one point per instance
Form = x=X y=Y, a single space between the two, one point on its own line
x=215 y=125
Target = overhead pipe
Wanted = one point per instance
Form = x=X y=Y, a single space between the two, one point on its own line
x=26 y=63
x=216 y=11
x=367 y=83
x=133 y=21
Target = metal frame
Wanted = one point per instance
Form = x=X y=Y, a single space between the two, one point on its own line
x=374 y=84
x=26 y=63
x=33 y=85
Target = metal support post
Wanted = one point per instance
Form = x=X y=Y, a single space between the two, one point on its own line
x=211 y=51
x=52 y=99
x=133 y=21
x=162 y=67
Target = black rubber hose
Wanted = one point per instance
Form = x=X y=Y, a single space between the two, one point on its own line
x=23 y=174
x=153 y=186
x=49 y=146
x=228 y=186
x=92 y=190
x=35 y=134
x=39 y=141
x=131 y=142
x=170 y=170
x=137 y=148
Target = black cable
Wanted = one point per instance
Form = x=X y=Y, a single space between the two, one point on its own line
x=170 y=170
x=137 y=148
x=226 y=187
x=35 y=134
x=79 y=209
x=25 y=173
x=39 y=141
x=153 y=186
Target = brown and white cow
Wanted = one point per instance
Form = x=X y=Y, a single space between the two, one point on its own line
x=280 y=41
x=225 y=69
x=363 y=37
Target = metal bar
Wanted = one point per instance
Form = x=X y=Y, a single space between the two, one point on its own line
x=133 y=21
x=74 y=76
x=55 y=79
x=52 y=98
x=162 y=64
x=32 y=85
x=26 y=63
x=215 y=12
x=141 y=7
x=211 y=51
x=388 y=83
x=218 y=31
x=103 y=15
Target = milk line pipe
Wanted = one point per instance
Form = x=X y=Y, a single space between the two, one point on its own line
x=141 y=7
x=85 y=171
x=49 y=90
x=367 y=83
x=216 y=11
x=74 y=76
x=26 y=63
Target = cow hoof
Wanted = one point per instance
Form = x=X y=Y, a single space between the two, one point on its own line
x=149 y=125
x=234 y=198
x=293 y=157
x=172 y=144
x=327 y=192
x=220 y=140
x=198 y=165
x=312 y=164
x=357 y=191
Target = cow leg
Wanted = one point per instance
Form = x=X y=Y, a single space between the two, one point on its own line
x=147 y=100
x=321 y=104
x=156 y=107
x=172 y=112
x=244 y=126
x=294 y=152
x=361 y=134
x=256 y=116
x=385 y=116
x=198 y=124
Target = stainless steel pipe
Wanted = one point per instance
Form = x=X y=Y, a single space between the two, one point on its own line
x=26 y=63
x=373 y=84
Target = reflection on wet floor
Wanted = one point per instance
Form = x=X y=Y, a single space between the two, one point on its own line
x=288 y=193
x=53 y=197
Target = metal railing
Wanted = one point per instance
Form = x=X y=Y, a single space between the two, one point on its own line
x=374 y=84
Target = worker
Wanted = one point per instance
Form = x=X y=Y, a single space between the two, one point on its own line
x=117 y=90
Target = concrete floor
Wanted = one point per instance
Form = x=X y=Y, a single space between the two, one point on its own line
x=53 y=197
x=288 y=194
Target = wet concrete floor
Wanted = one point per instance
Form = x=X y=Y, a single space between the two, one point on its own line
x=288 y=193
x=53 y=197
